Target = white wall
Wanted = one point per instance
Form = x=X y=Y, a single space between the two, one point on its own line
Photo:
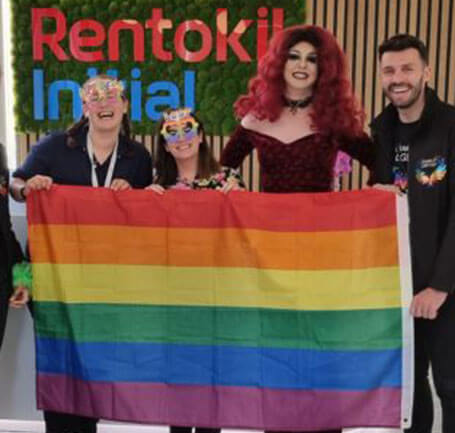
x=7 y=133
x=2 y=77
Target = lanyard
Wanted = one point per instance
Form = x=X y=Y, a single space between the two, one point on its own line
x=110 y=170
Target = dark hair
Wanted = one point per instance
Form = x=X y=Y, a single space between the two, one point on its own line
x=335 y=108
x=3 y=159
x=166 y=167
x=76 y=128
x=403 y=42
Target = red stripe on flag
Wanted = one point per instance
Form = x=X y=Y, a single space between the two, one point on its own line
x=212 y=209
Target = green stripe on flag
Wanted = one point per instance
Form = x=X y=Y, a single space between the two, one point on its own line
x=324 y=330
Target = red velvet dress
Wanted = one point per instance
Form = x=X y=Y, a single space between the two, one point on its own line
x=303 y=165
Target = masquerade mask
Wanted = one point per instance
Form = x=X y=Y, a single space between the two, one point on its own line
x=179 y=125
x=101 y=91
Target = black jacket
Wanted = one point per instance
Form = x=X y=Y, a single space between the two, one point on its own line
x=431 y=188
x=8 y=243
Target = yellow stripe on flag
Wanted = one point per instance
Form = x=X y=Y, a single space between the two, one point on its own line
x=234 y=287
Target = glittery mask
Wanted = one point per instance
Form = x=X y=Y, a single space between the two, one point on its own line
x=179 y=125
x=99 y=91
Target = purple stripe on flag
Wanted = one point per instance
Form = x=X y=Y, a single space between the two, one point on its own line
x=221 y=406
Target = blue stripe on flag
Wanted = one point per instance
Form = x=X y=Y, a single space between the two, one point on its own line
x=221 y=365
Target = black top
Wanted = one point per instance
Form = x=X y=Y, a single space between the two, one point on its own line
x=3 y=262
x=70 y=165
x=403 y=136
x=10 y=251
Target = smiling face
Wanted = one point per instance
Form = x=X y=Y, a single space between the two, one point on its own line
x=301 y=70
x=404 y=75
x=180 y=130
x=103 y=103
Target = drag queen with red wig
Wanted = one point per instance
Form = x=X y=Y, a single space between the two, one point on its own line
x=300 y=114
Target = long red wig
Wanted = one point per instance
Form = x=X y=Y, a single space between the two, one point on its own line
x=335 y=108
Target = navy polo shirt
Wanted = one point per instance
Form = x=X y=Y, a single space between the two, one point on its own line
x=70 y=165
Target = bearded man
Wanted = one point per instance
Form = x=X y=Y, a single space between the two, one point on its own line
x=414 y=141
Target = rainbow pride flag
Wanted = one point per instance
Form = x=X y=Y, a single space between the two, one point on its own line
x=264 y=311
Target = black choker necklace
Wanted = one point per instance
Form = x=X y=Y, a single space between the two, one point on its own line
x=299 y=103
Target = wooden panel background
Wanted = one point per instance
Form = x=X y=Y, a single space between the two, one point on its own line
x=360 y=26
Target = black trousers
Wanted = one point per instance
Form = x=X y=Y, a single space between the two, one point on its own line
x=57 y=422
x=4 y=298
x=435 y=346
x=174 y=429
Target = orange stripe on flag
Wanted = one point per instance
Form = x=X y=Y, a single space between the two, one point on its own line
x=90 y=244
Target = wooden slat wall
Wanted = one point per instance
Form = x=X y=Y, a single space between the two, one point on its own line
x=360 y=26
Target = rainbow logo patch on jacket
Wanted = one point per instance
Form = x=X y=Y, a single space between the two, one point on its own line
x=431 y=171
